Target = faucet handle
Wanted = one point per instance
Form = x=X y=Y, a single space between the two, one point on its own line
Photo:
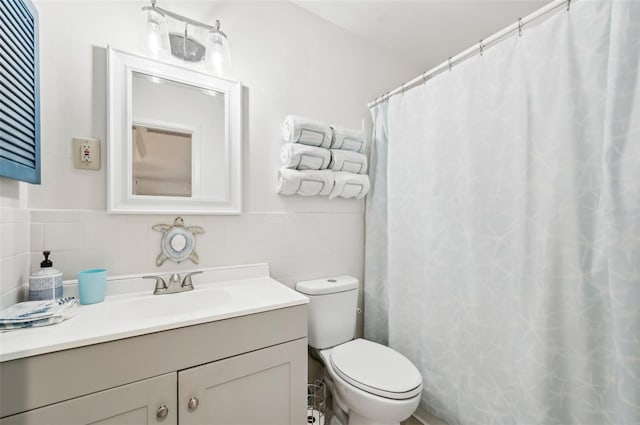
x=186 y=282
x=161 y=285
x=174 y=279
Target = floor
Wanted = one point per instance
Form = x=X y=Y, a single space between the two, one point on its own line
x=430 y=420
x=411 y=421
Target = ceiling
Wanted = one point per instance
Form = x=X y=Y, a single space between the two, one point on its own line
x=422 y=33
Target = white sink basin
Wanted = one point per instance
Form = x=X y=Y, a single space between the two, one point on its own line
x=170 y=305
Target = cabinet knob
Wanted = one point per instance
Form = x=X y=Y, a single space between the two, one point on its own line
x=193 y=403
x=162 y=412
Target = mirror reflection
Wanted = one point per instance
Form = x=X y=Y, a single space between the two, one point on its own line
x=175 y=126
x=161 y=162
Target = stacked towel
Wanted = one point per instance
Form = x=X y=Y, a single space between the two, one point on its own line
x=348 y=139
x=306 y=131
x=349 y=185
x=304 y=182
x=352 y=162
x=306 y=156
x=32 y=314
x=303 y=157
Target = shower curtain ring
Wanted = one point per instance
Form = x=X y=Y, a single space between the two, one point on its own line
x=568 y=5
x=450 y=65
x=403 y=88
x=425 y=77
x=520 y=27
x=481 y=48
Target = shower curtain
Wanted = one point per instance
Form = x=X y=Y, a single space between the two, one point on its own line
x=503 y=226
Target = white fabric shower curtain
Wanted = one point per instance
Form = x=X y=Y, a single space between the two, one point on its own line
x=503 y=227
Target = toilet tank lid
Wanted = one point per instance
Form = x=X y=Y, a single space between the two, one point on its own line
x=327 y=285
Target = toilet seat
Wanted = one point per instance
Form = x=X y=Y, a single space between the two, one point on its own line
x=376 y=369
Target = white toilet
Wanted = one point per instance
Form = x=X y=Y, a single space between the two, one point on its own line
x=371 y=384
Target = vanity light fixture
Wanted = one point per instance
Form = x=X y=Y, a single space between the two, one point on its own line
x=191 y=41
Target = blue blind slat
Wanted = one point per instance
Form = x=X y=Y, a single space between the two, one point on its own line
x=10 y=21
x=25 y=22
x=16 y=151
x=18 y=36
x=24 y=12
x=15 y=143
x=12 y=81
x=14 y=106
x=13 y=157
x=17 y=74
x=22 y=49
x=19 y=91
x=19 y=141
x=7 y=93
x=17 y=125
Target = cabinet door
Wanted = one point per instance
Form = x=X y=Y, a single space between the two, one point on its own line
x=136 y=403
x=263 y=387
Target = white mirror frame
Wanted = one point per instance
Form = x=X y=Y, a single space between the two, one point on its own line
x=120 y=200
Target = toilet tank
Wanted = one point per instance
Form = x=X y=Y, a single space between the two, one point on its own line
x=332 y=309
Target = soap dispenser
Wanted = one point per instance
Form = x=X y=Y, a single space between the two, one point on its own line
x=46 y=284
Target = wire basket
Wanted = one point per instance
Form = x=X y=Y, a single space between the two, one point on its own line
x=316 y=396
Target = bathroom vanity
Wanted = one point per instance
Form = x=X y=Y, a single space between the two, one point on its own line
x=232 y=351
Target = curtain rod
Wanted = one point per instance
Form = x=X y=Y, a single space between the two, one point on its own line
x=474 y=50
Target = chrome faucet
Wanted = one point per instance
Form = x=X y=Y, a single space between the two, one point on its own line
x=175 y=284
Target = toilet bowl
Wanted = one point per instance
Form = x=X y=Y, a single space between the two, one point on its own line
x=371 y=384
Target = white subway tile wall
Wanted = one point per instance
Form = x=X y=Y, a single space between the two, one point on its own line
x=297 y=246
x=14 y=253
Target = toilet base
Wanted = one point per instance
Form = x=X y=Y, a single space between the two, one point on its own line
x=340 y=416
x=356 y=419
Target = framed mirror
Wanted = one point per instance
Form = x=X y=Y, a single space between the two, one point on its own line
x=174 y=139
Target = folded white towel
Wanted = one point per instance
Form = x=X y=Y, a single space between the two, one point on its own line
x=304 y=182
x=348 y=139
x=352 y=162
x=31 y=314
x=306 y=131
x=349 y=185
x=303 y=157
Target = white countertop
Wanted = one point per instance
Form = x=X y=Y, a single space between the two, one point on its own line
x=219 y=293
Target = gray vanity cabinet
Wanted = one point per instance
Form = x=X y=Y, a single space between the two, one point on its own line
x=259 y=388
x=246 y=370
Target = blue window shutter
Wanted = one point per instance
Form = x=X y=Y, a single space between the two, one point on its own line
x=19 y=91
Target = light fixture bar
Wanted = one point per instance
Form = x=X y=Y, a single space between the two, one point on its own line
x=182 y=18
x=191 y=41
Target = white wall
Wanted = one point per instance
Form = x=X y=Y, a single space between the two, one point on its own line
x=289 y=62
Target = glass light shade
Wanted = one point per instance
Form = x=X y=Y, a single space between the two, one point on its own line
x=157 y=39
x=218 y=55
x=191 y=49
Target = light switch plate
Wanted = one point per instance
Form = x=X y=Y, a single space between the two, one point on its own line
x=86 y=153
